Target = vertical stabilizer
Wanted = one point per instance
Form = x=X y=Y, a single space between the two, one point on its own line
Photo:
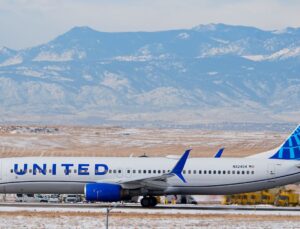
x=290 y=150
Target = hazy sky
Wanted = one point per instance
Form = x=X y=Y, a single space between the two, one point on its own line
x=25 y=23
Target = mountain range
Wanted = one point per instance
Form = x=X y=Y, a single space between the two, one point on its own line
x=207 y=74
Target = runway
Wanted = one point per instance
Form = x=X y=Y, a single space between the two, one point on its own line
x=183 y=207
x=82 y=215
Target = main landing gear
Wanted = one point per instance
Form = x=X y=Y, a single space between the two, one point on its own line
x=148 y=202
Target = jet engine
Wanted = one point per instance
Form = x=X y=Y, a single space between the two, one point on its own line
x=104 y=192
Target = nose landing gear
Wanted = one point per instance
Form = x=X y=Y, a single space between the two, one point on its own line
x=148 y=202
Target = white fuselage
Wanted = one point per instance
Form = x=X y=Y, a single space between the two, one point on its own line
x=202 y=175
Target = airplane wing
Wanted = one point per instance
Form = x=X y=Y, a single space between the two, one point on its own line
x=155 y=182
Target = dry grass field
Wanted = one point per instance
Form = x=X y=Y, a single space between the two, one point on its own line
x=116 y=141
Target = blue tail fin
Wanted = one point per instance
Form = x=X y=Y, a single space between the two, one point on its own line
x=219 y=153
x=290 y=150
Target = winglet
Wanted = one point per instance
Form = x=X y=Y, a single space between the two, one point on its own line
x=219 y=153
x=177 y=170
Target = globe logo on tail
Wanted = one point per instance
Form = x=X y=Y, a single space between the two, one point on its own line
x=290 y=150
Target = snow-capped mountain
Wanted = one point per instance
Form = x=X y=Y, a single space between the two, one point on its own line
x=210 y=73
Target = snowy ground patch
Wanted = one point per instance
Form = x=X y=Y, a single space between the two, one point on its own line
x=93 y=217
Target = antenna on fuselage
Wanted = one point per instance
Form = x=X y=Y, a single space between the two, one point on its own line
x=143 y=155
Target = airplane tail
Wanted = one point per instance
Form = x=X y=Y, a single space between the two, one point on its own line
x=289 y=150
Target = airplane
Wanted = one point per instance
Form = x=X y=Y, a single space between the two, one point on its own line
x=114 y=179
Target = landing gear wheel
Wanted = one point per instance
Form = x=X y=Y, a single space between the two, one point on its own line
x=152 y=201
x=149 y=202
x=145 y=202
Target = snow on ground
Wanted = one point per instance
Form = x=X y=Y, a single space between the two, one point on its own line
x=141 y=58
x=51 y=56
x=281 y=54
x=167 y=210
x=121 y=222
x=48 y=217
x=12 y=61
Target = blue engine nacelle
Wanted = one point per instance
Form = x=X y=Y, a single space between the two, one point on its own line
x=103 y=192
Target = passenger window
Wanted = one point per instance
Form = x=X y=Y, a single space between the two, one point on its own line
x=11 y=170
x=154 y=171
x=195 y=171
x=248 y=172
x=219 y=171
x=149 y=171
x=224 y=172
x=145 y=171
x=209 y=171
x=204 y=171
x=128 y=171
x=140 y=171
x=114 y=171
x=169 y=171
x=215 y=171
x=243 y=172
x=120 y=171
x=30 y=170
x=252 y=172
x=133 y=171
x=237 y=172
x=189 y=171
x=228 y=172
x=233 y=172
x=200 y=171
x=158 y=171
x=164 y=171
x=183 y=171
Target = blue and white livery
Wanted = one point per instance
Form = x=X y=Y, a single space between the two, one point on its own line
x=114 y=179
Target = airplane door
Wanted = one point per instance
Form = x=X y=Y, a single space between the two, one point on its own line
x=1 y=170
x=2 y=176
x=271 y=170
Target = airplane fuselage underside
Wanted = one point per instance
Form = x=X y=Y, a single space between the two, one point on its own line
x=77 y=187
